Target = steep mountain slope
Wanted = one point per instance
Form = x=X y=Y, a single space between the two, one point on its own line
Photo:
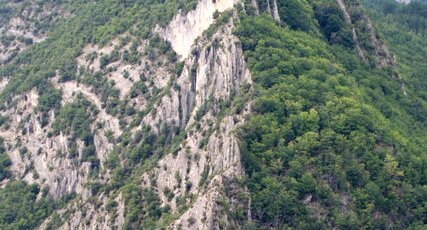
x=24 y=23
x=97 y=127
x=221 y=114
x=332 y=142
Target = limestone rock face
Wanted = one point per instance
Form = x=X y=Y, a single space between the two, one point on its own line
x=207 y=160
x=36 y=157
x=184 y=29
x=214 y=72
x=272 y=8
x=404 y=1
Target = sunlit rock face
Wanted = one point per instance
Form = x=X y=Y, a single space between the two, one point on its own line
x=404 y=1
x=185 y=28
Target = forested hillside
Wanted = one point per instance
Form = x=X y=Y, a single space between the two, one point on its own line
x=213 y=114
x=334 y=142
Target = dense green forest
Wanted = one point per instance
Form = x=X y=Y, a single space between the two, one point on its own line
x=22 y=209
x=333 y=142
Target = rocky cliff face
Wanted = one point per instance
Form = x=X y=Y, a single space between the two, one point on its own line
x=184 y=29
x=214 y=72
x=271 y=8
x=404 y=1
x=206 y=161
x=371 y=47
x=36 y=157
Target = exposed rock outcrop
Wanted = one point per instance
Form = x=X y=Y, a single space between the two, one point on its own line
x=404 y=1
x=184 y=29
x=360 y=23
x=214 y=72
x=372 y=50
x=38 y=158
x=271 y=8
x=209 y=157
x=275 y=10
x=347 y=18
